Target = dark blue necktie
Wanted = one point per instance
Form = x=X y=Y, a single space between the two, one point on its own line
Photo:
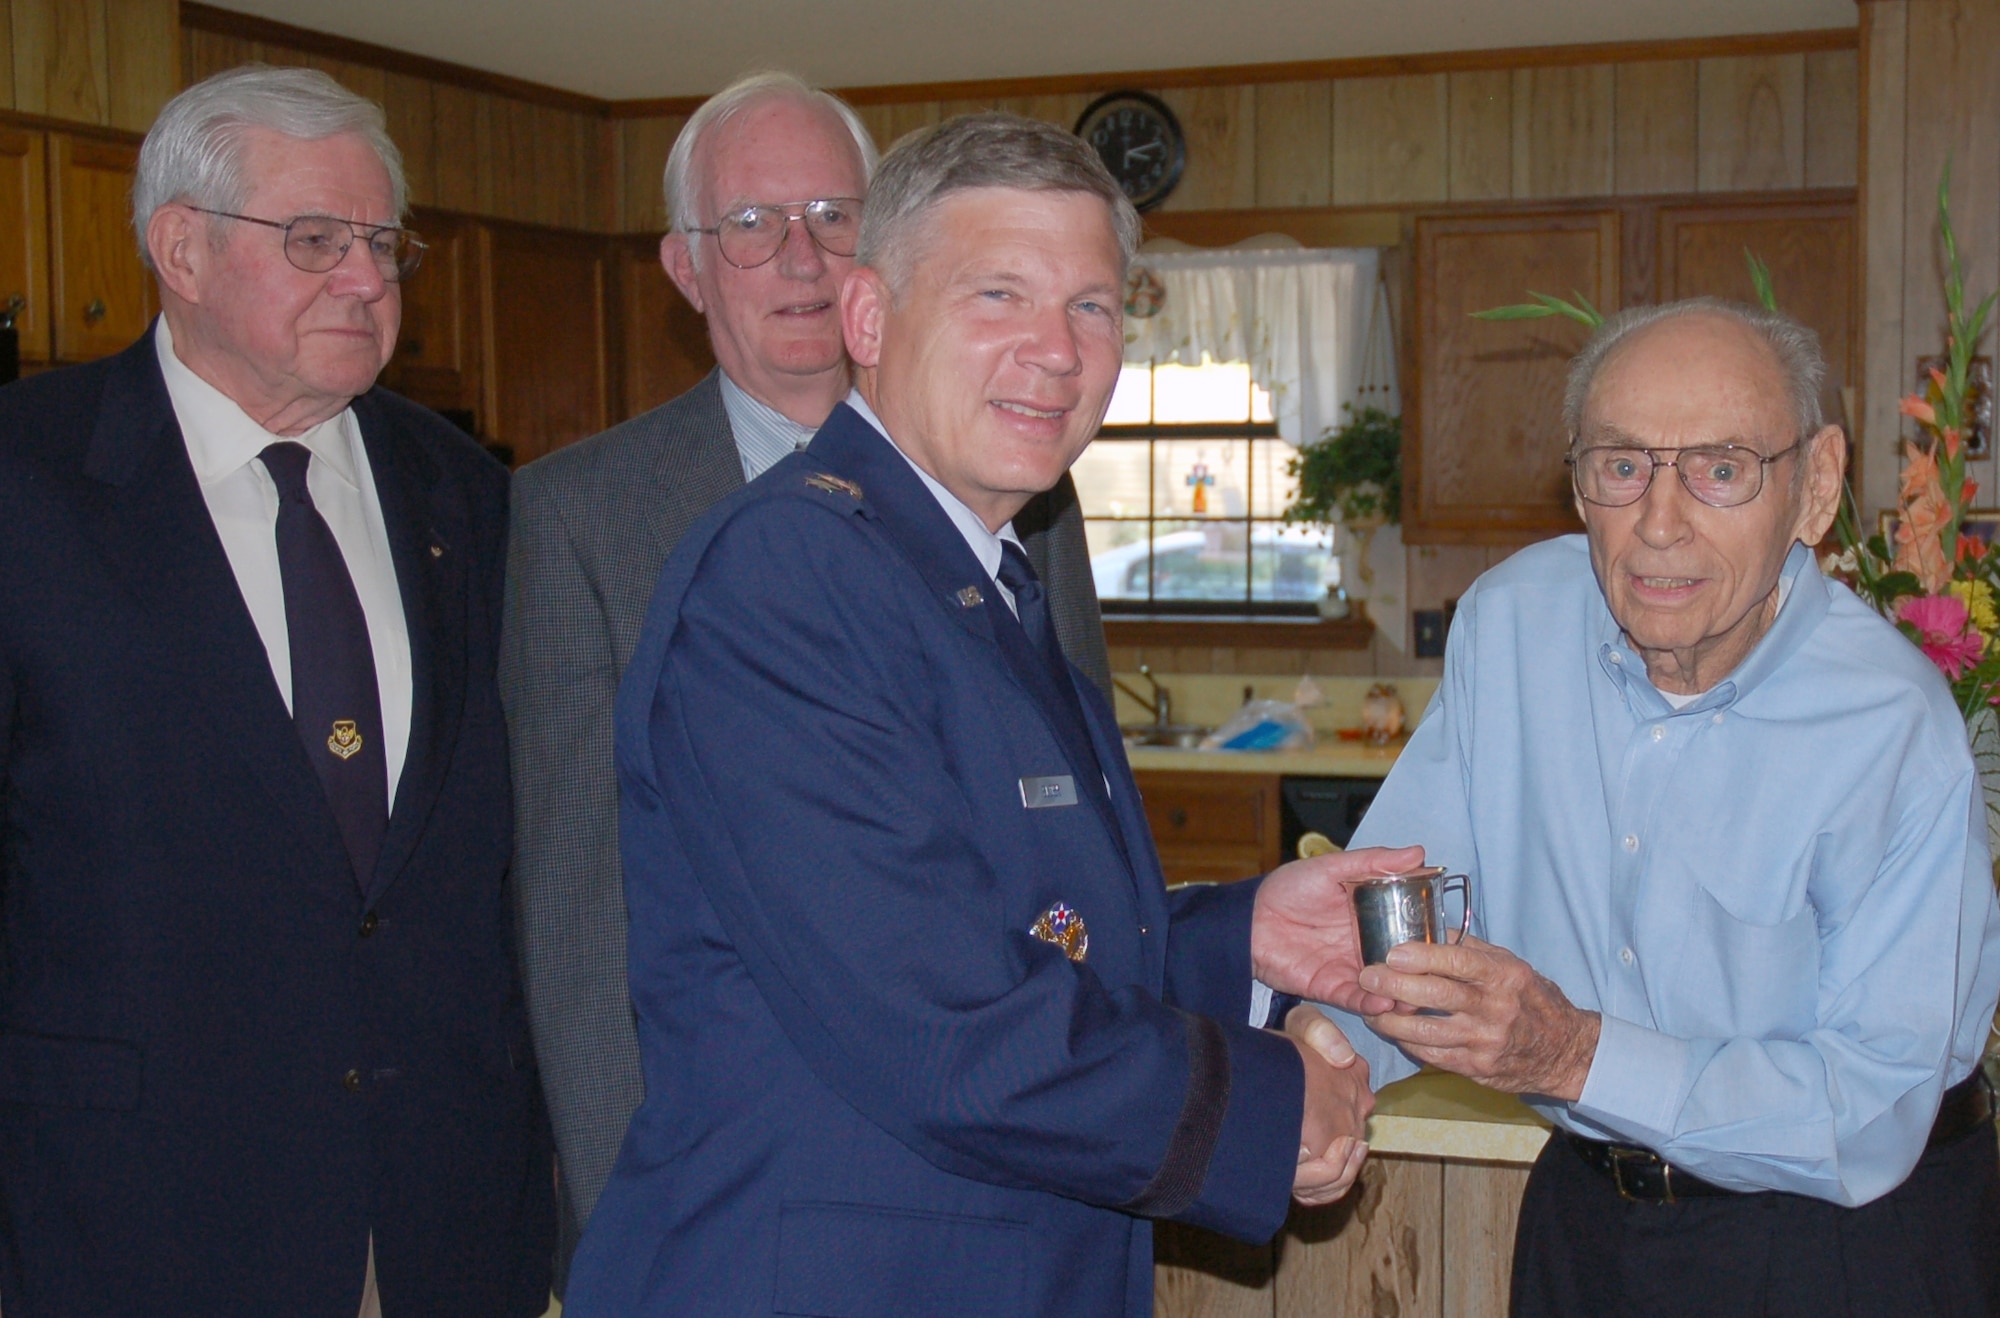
x=1031 y=606
x=335 y=702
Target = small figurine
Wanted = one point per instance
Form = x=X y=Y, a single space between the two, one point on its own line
x=1382 y=714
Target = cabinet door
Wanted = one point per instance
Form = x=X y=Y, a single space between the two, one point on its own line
x=1212 y=827
x=665 y=340
x=1483 y=440
x=438 y=348
x=547 y=373
x=24 y=229
x=103 y=295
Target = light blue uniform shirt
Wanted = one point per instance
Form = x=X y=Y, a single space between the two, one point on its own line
x=763 y=434
x=1778 y=896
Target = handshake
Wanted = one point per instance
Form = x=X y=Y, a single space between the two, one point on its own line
x=1303 y=941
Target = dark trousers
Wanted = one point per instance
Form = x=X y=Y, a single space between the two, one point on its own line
x=1928 y=1249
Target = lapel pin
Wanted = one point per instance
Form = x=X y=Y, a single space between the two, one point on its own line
x=437 y=551
x=1063 y=927
x=832 y=484
x=970 y=598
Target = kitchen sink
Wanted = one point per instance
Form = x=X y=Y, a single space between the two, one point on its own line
x=1181 y=736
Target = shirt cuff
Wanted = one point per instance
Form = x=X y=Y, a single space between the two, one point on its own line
x=1637 y=1082
x=1260 y=1004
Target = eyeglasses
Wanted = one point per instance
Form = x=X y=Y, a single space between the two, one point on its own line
x=1720 y=475
x=752 y=236
x=318 y=243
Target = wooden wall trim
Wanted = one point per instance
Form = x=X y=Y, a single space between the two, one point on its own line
x=70 y=128
x=249 y=27
x=1373 y=66
x=1354 y=633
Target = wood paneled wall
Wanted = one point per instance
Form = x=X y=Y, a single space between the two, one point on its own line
x=1931 y=77
x=467 y=150
x=112 y=63
x=1730 y=123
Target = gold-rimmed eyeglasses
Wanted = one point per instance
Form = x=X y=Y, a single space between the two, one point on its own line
x=753 y=235
x=1720 y=475
x=318 y=243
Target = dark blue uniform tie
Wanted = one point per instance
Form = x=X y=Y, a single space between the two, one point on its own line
x=336 y=704
x=1031 y=606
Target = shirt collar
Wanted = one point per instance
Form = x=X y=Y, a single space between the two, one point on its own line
x=1802 y=602
x=763 y=433
x=985 y=544
x=221 y=437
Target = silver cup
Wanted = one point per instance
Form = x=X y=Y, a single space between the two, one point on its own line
x=1408 y=908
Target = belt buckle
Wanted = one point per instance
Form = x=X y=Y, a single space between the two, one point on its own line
x=1644 y=1158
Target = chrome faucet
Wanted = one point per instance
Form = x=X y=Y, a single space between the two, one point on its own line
x=1161 y=706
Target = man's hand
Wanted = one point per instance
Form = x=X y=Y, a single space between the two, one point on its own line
x=1503 y=1025
x=1303 y=939
x=1338 y=1102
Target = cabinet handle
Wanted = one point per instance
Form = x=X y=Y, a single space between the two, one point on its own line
x=1177 y=817
x=94 y=312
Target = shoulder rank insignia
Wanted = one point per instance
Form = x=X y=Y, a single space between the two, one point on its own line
x=820 y=480
x=1064 y=928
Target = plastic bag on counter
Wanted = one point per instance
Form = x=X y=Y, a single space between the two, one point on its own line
x=1262 y=725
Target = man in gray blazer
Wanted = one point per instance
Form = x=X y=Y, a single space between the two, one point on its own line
x=593 y=525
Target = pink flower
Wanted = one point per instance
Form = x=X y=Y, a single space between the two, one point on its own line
x=1943 y=631
x=1916 y=407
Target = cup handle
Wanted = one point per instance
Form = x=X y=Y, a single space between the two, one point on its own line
x=1464 y=884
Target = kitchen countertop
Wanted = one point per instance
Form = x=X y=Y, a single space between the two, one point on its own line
x=1331 y=758
x=1435 y=1114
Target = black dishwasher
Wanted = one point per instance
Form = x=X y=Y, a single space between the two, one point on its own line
x=1332 y=806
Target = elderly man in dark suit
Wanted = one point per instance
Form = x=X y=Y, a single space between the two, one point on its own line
x=924 y=1031
x=764 y=188
x=262 y=1049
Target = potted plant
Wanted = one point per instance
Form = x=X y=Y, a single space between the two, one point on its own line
x=1352 y=478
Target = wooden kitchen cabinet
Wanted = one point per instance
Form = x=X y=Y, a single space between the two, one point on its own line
x=101 y=294
x=1212 y=827
x=438 y=351
x=547 y=352
x=24 y=236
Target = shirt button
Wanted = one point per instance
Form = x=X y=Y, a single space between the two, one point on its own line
x=1658 y=732
x=1716 y=719
x=1625 y=955
x=1143 y=931
x=1631 y=841
x=368 y=923
x=1617 y=658
x=351 y=1082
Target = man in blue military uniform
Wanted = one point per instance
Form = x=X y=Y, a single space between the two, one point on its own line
x=923 y=1031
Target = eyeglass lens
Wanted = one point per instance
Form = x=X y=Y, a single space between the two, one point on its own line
x=754 y=235
x=318 y=243
x=1721 y=477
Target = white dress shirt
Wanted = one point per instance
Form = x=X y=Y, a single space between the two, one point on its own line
x=223 y=444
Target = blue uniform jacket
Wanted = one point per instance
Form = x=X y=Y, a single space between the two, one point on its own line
x=869 y=1088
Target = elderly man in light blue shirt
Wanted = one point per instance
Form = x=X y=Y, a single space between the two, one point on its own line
x=1729 y=861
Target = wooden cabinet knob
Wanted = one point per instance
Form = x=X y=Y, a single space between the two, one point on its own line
x=1177 y=817
x=94 y=312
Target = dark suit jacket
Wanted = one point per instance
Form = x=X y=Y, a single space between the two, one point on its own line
x=221 y=1068
x=869 y=1088
x=592 y=527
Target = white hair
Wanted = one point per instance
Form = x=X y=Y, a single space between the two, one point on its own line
x=194 y=153
x=684 y=202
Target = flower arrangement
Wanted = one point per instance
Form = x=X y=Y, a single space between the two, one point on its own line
x=1934 y=581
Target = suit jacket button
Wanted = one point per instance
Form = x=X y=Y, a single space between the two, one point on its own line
x=351 y=1082
x=368 y=923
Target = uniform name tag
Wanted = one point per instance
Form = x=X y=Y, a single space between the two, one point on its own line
x=1041 y=793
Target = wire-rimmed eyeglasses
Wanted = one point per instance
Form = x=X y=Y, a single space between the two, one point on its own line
x=318 y=243
x=1720 y=475
x=753 y=235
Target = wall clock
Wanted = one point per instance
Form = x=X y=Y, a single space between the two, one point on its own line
x=1139 y=141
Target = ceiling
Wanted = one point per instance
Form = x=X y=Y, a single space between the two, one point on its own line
x=637 y=49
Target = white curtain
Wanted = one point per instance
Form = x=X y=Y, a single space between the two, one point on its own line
x=1301 y=317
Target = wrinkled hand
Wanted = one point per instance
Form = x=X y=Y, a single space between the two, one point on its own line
x=1331 y=1151
x=1503 y=1025
x=1303 y=938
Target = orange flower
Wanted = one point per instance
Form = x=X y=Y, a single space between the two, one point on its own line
x=1925 y=513
x=1951 y=443
x=1918 y=408
x=1937 y=378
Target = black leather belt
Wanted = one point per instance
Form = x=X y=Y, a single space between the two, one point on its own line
x=1642 y=1176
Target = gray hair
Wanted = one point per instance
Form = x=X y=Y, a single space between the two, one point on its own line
x=992 y=150
x=1794 y=347
x=684 y=199
x=194 y=153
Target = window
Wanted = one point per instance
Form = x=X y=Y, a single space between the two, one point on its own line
x=1184 y=493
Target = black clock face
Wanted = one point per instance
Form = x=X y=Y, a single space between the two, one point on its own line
x=1139 y=141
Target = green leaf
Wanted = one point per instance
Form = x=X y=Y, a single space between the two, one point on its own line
x=1519 y=311
x=1760 y=279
